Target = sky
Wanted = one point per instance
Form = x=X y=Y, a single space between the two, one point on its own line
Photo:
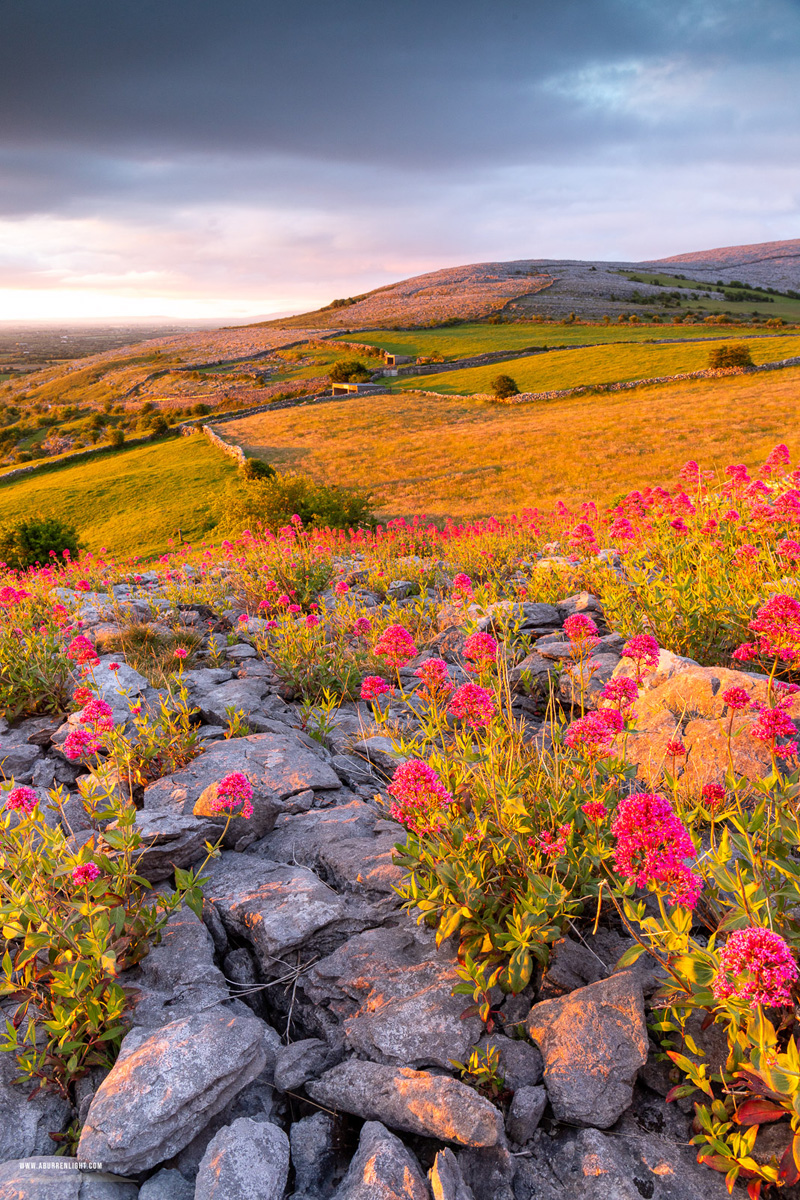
x=194 y=158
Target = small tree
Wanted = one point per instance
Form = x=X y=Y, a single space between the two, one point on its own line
x=117 y=438
x=159 y=426
x=30 y=540
x=255 y=468
x=504 y=386
x=734 y=354
x=348 y=370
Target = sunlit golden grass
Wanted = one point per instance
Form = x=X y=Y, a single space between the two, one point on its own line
x=468 y=458
x=596 y=364
x=131 y=501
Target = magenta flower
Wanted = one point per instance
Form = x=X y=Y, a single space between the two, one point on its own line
x=788 y=548
x=592 y=735
x=362 y=626
x=757 y=967
x=472 y=704
x=675 y=748
x=462 y=588
x=23 y=799
x=85 y=874
x=643 y=650
x=480 y=649
x=736 y=698
x=581 y=631
x=341 y=588
x=396 y=645
x=180 y=652
x=96 y=711
x=777 y=624
x=652 y=846
x=712 y=795
x=231 y=790
x=620 y=691
x=772 y=723
x=595 y=810
x=435 y=676
x=312 y=621
x=419 y=797
x=81 y=651
x=79 y=743
x=373 y=686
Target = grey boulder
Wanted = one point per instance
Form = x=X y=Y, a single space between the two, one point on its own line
x=166 y=1086
x=382 y=1169
x=593 y=1042
x=525 y=1113
x=167 y=1184
x=248 y=1160
x=447 y=1182
x=50 y=1178
x=415 y=1101
x=26 y=1125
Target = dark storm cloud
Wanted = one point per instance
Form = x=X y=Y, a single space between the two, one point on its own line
x=207 y=146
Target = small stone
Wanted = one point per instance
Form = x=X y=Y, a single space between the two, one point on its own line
x=525 y=1113
x=313 y=1152
x=447 y=1182
x=248 y=1160
x=299 y=1062
x=167 y=1184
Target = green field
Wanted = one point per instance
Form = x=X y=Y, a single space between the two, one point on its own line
x=461 y=341
x=130 y=501
x=595 y=364
x=766 y=306
x=470 y=458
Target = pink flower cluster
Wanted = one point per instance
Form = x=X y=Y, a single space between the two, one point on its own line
x=777 y=626
x=593 y=735
x=620 y=692
x=756 y=966
x=472 y=704
x=643 y=650
x=418 y=797
x=372 y=687
x=435 y=676
x=774 y=723
x=396 y=645
x=81 y=651
x=462 y=589
x=582 y=631
x=231 y=790
x=550 y=845
x=85 y=873
x=23 y=799
x=481 y=650
x=652 y=846
x=80 y=743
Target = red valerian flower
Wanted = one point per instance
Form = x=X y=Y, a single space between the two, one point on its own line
x=777 y=624
x=643 y=650
x=480 y=649
x=435 y=676
x=23 y=799
x=472 y=704
x=757 y=967
x=675 y=748
x=595 y=810
x=79 y=743
x=736 y=698
x=712 y=796
x=462 y=588
x=231 y=790
x=419 y=796
x=362 y=626
x=85 y=873
x=581 y=631
x=593 y=735
x=373 y=686
x=396 y=645
x=652 y=846
x=620 y=691
x=81 y=651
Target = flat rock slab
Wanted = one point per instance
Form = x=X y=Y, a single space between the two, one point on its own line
x=178 y=977
x=436 y=1106
x=382 y=1169
x=348 y=844
x=278 y=765
x=274 y=906
x=246 y=1160
x=171 y=840
x=166 y=1086
x=393 y=992
x=26 y=1125
x=593 y=1042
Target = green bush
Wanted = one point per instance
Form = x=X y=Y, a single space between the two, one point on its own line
x=117 y=438
x=271 y=503
x=348 y=370
x=504 y=386
x=29 y=540
x=734 y=354
x=159 y=426
x=255 y=468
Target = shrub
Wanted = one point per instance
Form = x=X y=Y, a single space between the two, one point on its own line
x=117 y=438
x=30 y=540
x=271 y=503
x=158 y=426
x=504 y=386
x=348 y=370
x=200 y=410
x=734 y=354
x=255 y=468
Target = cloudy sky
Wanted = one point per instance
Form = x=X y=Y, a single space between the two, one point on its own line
x=199 y=158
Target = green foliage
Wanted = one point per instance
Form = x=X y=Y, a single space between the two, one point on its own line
x=256 y=468
x=30 y=540
x=271 y=503
x=348 y=370
x=504 y=386
x=734 y=354
x=117 y=438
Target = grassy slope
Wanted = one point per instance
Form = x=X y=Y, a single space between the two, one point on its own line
x=464 y=340
x=600 y=364
x=468 y=457
x=131 y=501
